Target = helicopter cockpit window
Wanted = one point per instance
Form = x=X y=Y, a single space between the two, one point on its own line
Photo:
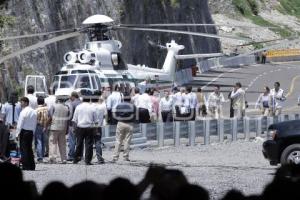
x=83 y=81
x=61 y=72
x=67 y=81
x=98 y=82
x=79 y=72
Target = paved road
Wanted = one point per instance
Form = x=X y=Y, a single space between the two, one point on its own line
x=253 y=79
x=217 y=167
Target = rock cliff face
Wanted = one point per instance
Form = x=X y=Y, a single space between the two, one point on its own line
x=34 y=16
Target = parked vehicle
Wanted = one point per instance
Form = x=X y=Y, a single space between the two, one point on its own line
x=283 y=144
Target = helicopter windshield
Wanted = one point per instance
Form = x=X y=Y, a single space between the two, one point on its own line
x=67 y=81
x=83 y=81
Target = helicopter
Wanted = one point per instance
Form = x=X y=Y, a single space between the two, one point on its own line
x=100 y=63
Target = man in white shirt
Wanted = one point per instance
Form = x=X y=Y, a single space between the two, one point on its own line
x=111 y=103
x=11 y=111
x=144 y=106
x=85 y=118
x=31 y=97
x=98 y=126
x=143 y=85
x=136 y=96
x=215 y=100
x=50 y=99
x=193 y=102
x=238 y=100
x=277 y=96
x=165 y=107
x=25 y=129
x=180 y=103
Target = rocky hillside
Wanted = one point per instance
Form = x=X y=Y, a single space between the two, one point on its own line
x=282 y=15
x=34 y=16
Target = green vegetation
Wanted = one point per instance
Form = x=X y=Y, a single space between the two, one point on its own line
x=283 y=32
x=172 y=3
x=6 y=20
x=258 y=46
x=246 y=7
x=250 y=10
x=291 y=7
x=17 y=88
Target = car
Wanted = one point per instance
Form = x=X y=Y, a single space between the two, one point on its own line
x=283 y=143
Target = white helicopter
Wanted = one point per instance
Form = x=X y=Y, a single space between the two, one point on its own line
x=100 y=64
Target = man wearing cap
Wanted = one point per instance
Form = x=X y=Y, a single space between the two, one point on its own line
x=84 y=119
x=25 y=129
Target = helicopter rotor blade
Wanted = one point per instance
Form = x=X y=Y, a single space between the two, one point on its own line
x=267 y=41
x=185 y=25
x=40 y=45
x=280 y=45
x=182 y=32
x=34 y=35
x=191 y=56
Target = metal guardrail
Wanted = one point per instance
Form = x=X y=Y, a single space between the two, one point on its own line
x=232 y=128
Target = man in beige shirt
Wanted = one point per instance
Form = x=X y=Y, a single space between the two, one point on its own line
x=238 y=100
x=58 y=119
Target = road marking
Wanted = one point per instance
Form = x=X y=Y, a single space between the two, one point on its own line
x=292 y=87
x=210 y=82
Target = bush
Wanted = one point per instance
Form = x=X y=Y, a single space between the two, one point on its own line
x=253 y=6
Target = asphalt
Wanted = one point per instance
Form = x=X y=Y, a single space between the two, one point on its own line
x=217 y=167
x=254 y=79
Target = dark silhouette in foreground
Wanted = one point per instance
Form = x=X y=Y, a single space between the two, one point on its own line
x=165 y=184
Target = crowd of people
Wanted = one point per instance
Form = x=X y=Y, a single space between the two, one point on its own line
x=163 y=184
x=47 y=121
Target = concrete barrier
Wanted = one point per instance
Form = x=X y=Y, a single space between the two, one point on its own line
x=191 y=131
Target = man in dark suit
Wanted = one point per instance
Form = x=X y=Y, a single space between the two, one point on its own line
x=4 y=141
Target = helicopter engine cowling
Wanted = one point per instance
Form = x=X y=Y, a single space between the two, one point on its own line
x=86 y=56
x=70 y=57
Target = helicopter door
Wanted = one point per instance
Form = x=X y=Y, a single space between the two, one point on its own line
x=39 y=84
